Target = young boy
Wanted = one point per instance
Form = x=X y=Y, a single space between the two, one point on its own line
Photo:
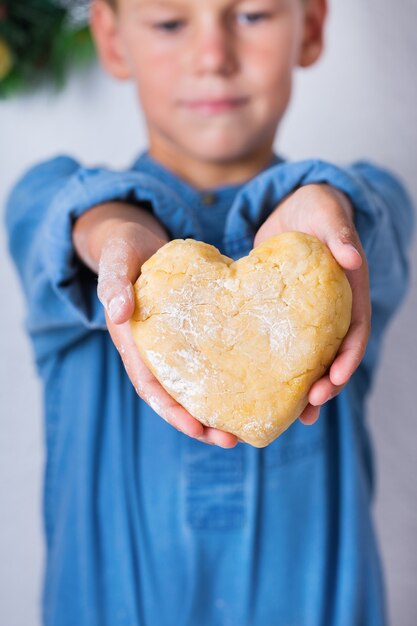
x=144 y=525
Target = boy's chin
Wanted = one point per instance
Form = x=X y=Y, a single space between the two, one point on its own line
x=224 y=151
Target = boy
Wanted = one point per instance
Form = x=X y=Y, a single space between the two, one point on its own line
x=145 y=525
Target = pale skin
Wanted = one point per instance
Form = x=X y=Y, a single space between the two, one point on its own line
x=214 y=78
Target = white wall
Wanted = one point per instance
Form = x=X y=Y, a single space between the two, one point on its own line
x=360 y=101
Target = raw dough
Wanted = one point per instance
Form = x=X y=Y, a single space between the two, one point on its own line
x=239 y=343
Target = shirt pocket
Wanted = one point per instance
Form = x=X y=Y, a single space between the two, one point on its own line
x=215 y=489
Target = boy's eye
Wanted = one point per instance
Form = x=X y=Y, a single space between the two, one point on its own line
x=169 y=26
x=252 y=18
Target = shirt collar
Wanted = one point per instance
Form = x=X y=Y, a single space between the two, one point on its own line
x=222 y=195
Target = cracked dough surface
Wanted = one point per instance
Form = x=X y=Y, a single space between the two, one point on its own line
x=239 y=343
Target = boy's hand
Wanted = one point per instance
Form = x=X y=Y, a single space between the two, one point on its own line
x=118 y=270
x=327 y=213
x=116 y=249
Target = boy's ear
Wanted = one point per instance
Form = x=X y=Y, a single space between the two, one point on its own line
x=315 y=12
x=106 y=33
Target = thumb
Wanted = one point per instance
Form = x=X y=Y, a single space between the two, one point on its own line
x=344 y=244
x=117 y=270
x=340 y=233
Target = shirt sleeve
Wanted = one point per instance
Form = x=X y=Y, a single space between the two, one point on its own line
x=386 y=225
x=384 y=220
x=60 y=291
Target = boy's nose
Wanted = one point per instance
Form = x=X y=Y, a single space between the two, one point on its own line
x=212 y=50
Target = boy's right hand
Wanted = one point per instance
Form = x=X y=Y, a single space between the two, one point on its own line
x=120 y=248
x=119 y=268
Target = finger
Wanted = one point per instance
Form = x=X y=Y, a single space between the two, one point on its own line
x=149 y=389
x=218 y=437
x=323 y=390
x=117 y=297
x=119 y=267
x=310 y=415
x=337 y=230
x=167 y=407
x=341 y=238
x=350 y=354
x=147 y=386
x=354 y=344
x=346 y=254
x=171 y=411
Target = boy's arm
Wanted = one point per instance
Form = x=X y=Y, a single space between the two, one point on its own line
x=318 y=197
x=62 y=306
x=61 y=290
x=114 y=240
x=328 y=214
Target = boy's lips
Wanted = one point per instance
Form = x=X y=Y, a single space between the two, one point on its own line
x=210 y=106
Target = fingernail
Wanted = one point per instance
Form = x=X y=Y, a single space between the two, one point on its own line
x=115 y=306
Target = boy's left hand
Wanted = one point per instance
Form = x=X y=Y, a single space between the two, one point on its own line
x=327 y=213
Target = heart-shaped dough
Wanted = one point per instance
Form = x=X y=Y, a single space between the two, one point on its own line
x=239 y=343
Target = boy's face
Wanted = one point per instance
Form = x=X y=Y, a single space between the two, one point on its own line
x=214 y=76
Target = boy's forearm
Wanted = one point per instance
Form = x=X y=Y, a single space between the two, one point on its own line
x=93 y=228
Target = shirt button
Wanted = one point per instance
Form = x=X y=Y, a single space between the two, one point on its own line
x=208 y=198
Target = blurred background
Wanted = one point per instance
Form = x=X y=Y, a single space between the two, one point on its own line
x=359 y=102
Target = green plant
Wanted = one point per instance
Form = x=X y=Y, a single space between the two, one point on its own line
x=40 y=40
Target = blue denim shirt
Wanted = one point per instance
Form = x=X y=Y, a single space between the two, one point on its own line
x=146 y=526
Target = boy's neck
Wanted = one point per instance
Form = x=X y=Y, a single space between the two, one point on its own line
x=210 y=174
